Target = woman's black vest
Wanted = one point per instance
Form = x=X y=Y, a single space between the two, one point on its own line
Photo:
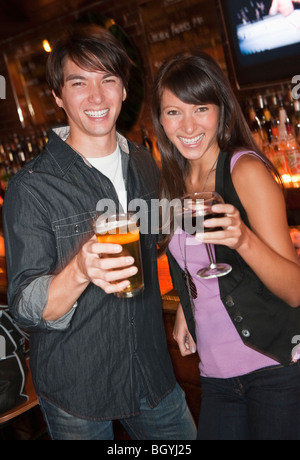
x=263 y=321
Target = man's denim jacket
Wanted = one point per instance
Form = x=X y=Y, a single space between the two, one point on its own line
x=97 y=360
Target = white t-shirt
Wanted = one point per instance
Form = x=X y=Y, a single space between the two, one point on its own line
x=111 y=167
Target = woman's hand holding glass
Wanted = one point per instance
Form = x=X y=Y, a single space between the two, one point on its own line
x=231 y=229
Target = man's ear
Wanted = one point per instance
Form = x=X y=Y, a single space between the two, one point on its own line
x=58 y=100
x=124 y=94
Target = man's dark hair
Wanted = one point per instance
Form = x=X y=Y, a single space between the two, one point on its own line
x=92 y=48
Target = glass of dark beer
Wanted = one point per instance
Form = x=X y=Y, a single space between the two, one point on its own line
x=122 y=229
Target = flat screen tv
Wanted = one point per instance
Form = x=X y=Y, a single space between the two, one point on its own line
x=263 y=45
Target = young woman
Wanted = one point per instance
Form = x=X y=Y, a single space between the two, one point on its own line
x=246 y=324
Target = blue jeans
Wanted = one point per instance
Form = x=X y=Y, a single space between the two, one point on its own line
x=263 y=405
x=170 y=420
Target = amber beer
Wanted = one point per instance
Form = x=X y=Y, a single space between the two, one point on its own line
x=122 y=229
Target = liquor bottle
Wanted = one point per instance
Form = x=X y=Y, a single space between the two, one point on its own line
x=296 y=119
x=278 y=156
x=277 y=152
x=261 y=115
x=268 y=120
x=260 y=108
x=288 y=143
x=293 y=154
x=283 y=121
x=41 y=140
x=19 y=151
x=12 y=163
x=265 y=119
x=290 y=103
x=29 y=148
x=255 y=126
x=274 y=109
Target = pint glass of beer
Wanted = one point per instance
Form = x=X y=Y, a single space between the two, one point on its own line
x=122 y=229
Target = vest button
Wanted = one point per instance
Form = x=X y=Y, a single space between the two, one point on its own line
x=246 y=333
x=229 y=301
x=238 y=319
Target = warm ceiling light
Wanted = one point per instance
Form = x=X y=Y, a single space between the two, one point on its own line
x=46 y=46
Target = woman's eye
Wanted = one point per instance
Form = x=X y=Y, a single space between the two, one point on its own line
x=202 y=109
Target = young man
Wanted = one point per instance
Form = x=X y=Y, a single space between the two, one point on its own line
x=94 y=357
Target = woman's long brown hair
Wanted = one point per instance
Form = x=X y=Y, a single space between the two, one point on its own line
x=197 y=79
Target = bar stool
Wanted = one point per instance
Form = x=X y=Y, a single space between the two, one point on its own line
x=27 y=405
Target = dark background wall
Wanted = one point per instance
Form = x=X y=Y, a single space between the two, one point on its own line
x=25 y=23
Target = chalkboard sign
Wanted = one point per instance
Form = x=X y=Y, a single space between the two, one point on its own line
x=173 y=26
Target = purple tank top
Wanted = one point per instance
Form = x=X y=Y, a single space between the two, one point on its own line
x=222 y=352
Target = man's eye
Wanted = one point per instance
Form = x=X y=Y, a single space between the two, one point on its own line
x=109 y=80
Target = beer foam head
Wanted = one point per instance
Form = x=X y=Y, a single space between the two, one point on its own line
x=112 y=224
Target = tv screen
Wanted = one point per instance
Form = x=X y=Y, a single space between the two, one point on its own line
x=264 y=43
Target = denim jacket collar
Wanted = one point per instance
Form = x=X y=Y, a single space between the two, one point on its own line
x=67 y=158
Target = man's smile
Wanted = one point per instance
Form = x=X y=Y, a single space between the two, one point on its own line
x=96 y=113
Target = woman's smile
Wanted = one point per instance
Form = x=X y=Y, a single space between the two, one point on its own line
x=192 y=142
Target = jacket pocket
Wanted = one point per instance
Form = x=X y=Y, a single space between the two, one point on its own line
x=71 y=233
